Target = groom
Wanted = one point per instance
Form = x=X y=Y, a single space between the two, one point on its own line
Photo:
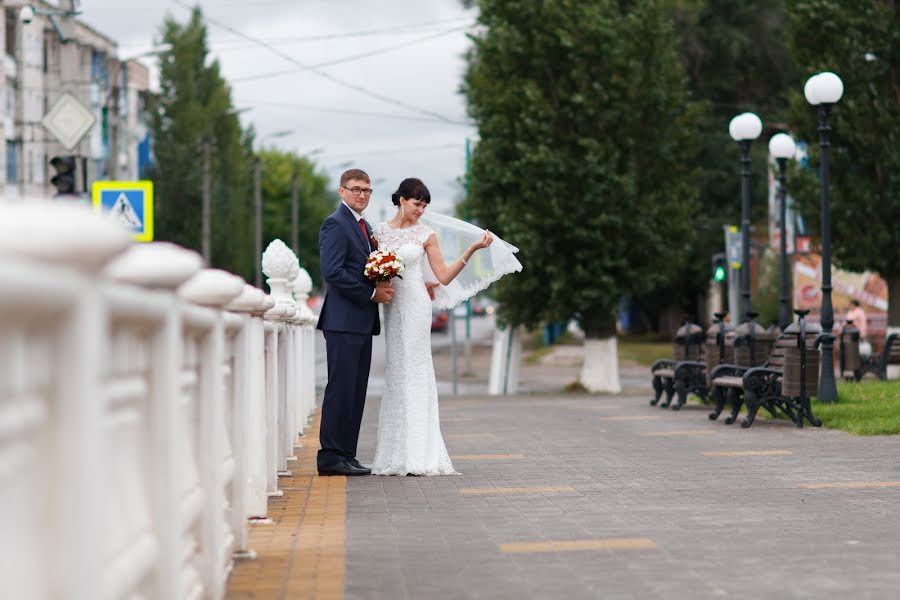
x=349 y=319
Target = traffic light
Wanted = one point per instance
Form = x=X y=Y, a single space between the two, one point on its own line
x=719 y=267
x=64 y=180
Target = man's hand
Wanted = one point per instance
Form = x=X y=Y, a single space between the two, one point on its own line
x=430 y=287
x=383 y=295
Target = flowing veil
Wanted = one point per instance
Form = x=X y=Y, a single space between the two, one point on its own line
x=484 y=268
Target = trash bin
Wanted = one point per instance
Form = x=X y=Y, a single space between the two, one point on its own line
x=752 y=343
x=850 y=358
x=794 y=358
x=688 y=342
x=718 y=349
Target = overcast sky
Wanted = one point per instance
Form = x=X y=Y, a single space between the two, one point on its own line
x=416 y=60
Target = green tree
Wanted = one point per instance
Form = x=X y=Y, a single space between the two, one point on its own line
x=860 y=41
x=585 y=158
x=316 y=200
x=736 y=59
x=195 y=102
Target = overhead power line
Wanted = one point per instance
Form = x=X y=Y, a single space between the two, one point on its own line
x=380 y=115
x=405 y=29
x=353 y=57
x=320 y=73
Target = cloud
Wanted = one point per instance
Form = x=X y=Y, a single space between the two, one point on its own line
x=395 y=144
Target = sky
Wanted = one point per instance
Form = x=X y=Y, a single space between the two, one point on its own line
x=409 y=52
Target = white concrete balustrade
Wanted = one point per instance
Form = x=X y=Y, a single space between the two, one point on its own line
x=147 y=406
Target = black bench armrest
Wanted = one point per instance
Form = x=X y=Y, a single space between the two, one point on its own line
x=683 y=367
x=758 y=379
x=727 y=371
x=663 y=363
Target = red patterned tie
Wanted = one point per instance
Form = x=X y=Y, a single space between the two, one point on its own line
x=362 y=225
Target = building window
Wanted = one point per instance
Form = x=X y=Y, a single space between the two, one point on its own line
x=11 y=20
x=12 y=161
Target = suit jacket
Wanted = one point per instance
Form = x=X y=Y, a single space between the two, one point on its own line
x=343 y=252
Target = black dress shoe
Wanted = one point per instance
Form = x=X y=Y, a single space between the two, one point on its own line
x=358 y=464
x=343 y=468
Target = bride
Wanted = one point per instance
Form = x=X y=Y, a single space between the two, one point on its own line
x=409 y=440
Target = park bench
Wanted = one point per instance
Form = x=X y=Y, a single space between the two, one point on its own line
x=889 y=355
x=687 y=347
x=784 y=384
x=751 y=348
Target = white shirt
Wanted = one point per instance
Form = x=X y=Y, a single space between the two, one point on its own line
x=355 y=214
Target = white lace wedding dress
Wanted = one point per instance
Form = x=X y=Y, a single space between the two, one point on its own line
x=409 y=437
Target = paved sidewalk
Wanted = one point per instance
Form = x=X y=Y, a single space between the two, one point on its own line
x=572 y=497
x=608 y=497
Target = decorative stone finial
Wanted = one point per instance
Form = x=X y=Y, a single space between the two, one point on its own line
x=279 y=262
x=248 y=301
x=156 y=265
x=302 y=286
x=67 y=234
x=212 y=287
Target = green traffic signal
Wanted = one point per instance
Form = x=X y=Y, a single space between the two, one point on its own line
x=719 y=273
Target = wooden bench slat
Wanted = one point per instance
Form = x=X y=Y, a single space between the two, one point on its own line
x=729 y=381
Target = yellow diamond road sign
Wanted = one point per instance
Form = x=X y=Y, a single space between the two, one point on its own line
x=129 y=202
x=68 y=121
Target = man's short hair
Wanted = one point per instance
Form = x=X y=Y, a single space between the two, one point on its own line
x=351 y=174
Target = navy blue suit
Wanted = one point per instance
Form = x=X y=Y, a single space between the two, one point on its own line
x=348 y=319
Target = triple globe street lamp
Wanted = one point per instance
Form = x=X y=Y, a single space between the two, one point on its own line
x=744 y=128
x=823 y=91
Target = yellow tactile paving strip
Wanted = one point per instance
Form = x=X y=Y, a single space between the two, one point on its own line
x=576 y=545
x=749 y=453
x=852 y=485
x=300 y=555
x=498 y=491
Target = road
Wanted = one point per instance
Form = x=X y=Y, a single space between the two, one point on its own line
x=481 y=329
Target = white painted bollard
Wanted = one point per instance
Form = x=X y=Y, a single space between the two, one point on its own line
x=506 y=358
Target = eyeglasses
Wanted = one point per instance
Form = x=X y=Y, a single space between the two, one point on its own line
x=356 y=191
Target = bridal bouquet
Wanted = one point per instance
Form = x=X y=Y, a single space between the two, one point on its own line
x=383 y=265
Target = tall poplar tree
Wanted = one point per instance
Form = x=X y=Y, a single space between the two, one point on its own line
x=585 y=158
x=194 y=103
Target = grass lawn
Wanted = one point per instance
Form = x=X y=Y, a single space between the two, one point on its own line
x=643 y=352
x=866 y=408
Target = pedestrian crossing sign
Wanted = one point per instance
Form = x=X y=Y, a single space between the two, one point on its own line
x=129 y=202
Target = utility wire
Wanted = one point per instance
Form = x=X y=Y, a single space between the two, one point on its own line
x=399 y=29
x=320 y=73
x=353 y=57
x=288 y=105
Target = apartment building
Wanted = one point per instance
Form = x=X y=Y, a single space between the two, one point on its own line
x=37 y=69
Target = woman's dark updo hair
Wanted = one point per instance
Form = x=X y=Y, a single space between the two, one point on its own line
x=411 y=189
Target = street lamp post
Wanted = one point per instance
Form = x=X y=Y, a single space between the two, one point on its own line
x=744 y=128
x=782 y=147
x=823 y=91
x=258 y=204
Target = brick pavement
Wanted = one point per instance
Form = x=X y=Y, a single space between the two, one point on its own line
x=574 y=497
x=602 y=502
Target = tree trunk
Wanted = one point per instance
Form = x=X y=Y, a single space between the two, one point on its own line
x=893 y=301
x=893 y=322
x=600 y=372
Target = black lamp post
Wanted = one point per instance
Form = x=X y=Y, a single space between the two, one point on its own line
x=745 y=128
x=782 y=147
x=823 y=91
